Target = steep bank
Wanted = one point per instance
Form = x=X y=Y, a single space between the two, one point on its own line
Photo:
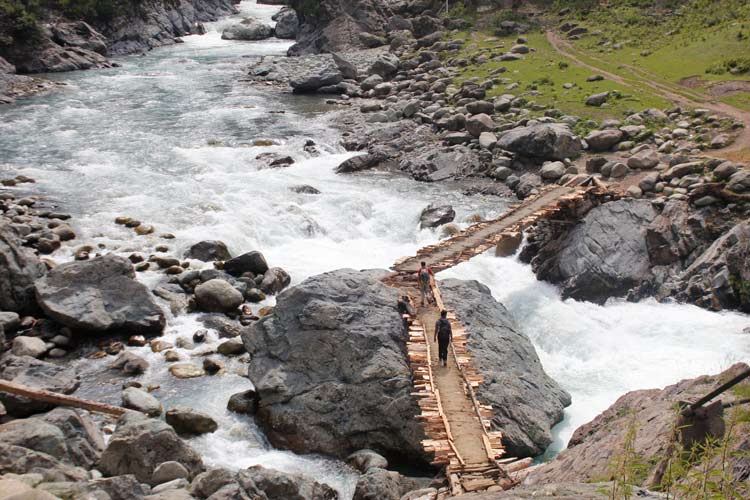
x=69 y=36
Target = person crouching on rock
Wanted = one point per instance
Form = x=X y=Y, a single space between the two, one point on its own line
x=443 y=336
x=424 y=276
x=406 y=311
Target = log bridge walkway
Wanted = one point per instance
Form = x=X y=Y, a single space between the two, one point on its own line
x=458 y=430
x=457 y=425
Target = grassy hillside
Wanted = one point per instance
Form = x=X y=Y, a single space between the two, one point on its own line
x=699 y=49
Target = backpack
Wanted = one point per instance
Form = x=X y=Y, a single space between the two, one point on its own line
x=444 y=327
x=424 y=275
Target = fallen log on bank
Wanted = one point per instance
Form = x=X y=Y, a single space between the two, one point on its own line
x=58 y=399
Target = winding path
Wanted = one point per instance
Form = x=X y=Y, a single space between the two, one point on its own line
x=673 y=92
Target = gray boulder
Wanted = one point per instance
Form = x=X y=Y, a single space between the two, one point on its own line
x=381 y=484
x=364 y=460
x=217 y=295
x=603 y=140
x=247 y=29
x=207 y=483
x=315 y=79
x=38 y=374
x=138 y=400
x=275 y=280
x=169 y=471
x=99 y=295
x=385 y=66
x=359 y=163
x=477 y=124
x=287 y=24
x=605 y=256
x=597 y=100
x=548 y=141
x=739 y=182
x=553 y=170
x=28 y=346
x=250 y=262
x=140 y=444
x=527 y=402
x=310 y=401
x=648 y=158
x=281 y=486
x=19 y=268
x=208 y=251
x=185 y=420
x=436 y=215
x=20 y=460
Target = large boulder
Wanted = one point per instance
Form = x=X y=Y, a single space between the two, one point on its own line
x=316 y=78
x=69 y=436
x=604 y=256
x=19 y=268
x=139 y=400
x=381 y=484
x=287 y=24
x=100 y=295
x=526 y=400
x=282 y=486
x=547 y=141
x=360 y=163
x=603 y=140
x=311 y=400
x=651 y=414
x=190 y=422
x=140 y=444
x=38 y=374
x=247 y=29
x=720 y=276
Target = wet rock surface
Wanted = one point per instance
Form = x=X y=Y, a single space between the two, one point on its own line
x=527 y=402
x=359 y=398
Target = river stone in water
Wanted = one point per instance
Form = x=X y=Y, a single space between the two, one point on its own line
x=188 y=421
x=434 y=216
x=100 y=295
x=364 y=460
x=140 y=444
x=208 y=251
x=247 y=29
x=186 y=370
x=136 y=399
x=312 y=402
x=250 y=262
x=217 y=295
x=526 y=400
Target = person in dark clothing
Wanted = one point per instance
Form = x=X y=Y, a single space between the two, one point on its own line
x=424 y=276
x=406 y=310
x=443 y=336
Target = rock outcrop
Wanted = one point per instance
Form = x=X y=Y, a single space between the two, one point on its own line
x=330 y=369
x=604 y=256
x=527 y=402
x=336 y=25
x=100 y=295
x=19 y=268
x=140 y=444
x=651 y=413
x=547 y=141
x=38 y=374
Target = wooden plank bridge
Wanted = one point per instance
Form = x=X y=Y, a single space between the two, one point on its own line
x=458 y=430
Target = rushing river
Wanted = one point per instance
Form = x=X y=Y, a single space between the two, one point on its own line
x=170 y=138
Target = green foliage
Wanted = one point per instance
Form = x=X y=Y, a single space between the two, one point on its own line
x=734 y=65
x=704 y=471
x=627 y=466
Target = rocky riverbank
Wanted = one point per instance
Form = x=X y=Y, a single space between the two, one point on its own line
x=408 y=108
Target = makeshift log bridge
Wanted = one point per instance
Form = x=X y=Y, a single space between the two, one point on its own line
x=457 y=425
x=505 y=233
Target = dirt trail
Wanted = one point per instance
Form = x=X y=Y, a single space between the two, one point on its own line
x=741 y=143
x=465 y=425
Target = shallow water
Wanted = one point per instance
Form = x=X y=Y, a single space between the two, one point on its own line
x=168 y=138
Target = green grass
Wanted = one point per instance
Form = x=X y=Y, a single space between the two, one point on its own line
x=693 y=40
x=546 y=71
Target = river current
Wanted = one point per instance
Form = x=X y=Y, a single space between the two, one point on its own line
x=171 y=138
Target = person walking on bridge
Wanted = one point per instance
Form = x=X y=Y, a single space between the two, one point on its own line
x=424 y=276
x=443 y=336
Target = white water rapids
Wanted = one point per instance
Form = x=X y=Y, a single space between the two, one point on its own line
x=168 y=139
